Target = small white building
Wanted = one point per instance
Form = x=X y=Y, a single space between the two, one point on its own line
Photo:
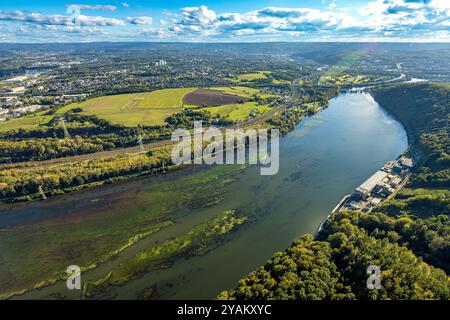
x=406 y=163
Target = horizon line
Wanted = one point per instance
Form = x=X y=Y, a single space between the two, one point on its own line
x=229 y=42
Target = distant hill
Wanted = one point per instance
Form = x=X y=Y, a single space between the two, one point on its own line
x=303 y=49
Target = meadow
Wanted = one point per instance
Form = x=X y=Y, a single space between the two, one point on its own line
x=260 y=75
x=149 y=108
x=248 y=77
x=28 y=122
x=343 y=79
x=245 y=92
x=238 y=111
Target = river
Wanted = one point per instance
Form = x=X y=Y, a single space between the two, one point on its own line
x=324 y=158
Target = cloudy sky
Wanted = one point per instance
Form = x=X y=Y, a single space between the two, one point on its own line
x=224 y=20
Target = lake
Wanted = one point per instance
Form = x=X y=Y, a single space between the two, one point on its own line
x=324 y=158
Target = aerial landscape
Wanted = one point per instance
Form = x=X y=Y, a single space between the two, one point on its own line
x=225 y=150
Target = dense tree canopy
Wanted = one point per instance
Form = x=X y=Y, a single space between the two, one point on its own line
x=424 y=110
x=334 y=266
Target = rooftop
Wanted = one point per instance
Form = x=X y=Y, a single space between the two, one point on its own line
x=370 y=183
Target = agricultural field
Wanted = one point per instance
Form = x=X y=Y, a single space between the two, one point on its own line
x=260 y=75
x=344 y=79
x=211 y=98
x=154 y=107
x=249 y=77
x=245 y=92
x=238 y=111
x=276 y=81
x=150 y=108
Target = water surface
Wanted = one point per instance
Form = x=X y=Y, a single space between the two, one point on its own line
x=323 y=159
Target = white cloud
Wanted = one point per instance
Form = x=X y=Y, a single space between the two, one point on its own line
x=202 y=20
x=376 y=18
x=407 y=14
x=140 y=21
x=93 y=7
x=56 y=19
x=37 y=18
x=332 y=5
x=198 y=16
x=99 y=21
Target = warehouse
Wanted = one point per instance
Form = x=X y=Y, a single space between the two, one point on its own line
x=364 y=190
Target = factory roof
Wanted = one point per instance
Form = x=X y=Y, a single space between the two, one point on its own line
x=370 y=183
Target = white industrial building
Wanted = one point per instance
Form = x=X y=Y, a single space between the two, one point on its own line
x=367 y=187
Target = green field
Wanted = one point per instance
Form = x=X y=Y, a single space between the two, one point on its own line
x=27 y=122
x=343 y=79
x=276 y=81
x=150 y=108
x=260 y=75
x=248 y=77
x=245 y=92
x=238 y=111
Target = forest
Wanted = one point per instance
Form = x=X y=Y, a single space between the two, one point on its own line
x=423 y=108
x=407 y=237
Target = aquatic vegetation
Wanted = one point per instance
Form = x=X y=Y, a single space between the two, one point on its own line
x=95 y=236
x=199 y=240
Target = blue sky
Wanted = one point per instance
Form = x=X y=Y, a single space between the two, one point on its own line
x=224 y=21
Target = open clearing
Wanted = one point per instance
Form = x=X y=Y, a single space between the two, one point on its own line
x=154 y=107
x=259 y=75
